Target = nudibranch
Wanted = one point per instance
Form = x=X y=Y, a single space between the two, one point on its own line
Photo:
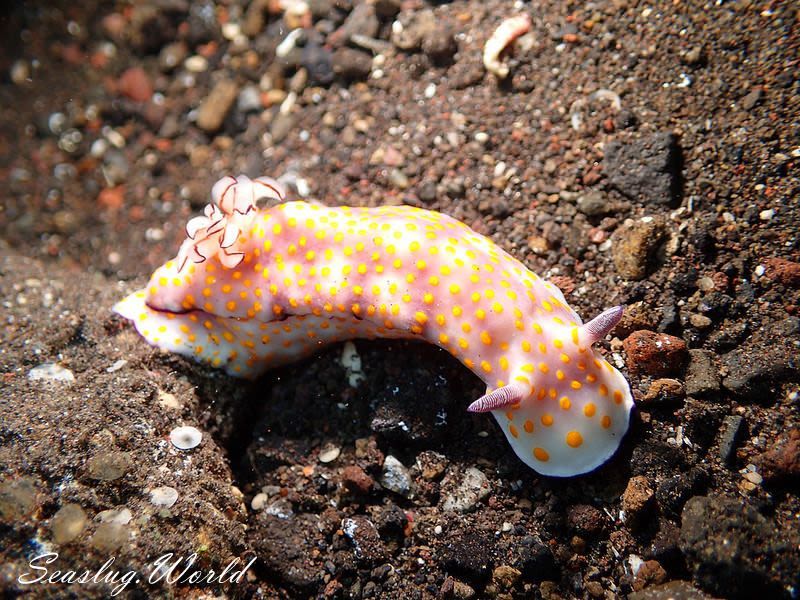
x=252 y=288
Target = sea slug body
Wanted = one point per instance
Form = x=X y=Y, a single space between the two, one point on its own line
x=254 y=288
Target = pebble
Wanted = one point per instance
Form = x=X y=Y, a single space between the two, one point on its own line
x=672 y=590
x=593 y=204
x=366 y=540
x=249 y=99
x=164 y=496
x=119 y=516
x=196 y=64
x=472 y=488
x=259 y=501
x=724 y=542
x=782 y=271
x=116 y=167
x=396 y=477
x=281 y=126
x=135 y=84
x=171 y=56
x=637 y=498
x=212 y=111
x=356 y=480
x=439 y=43
x=431 y=465
x=118 y=364
x=752 y=98
x=700 y=321
x=646 y=170
x=655 y=354
x=362 y=20
x=351 y=64
x=634 y=244
x=109 y=466
x=411 y=28
x=706 y=284
x=329 y=453
x=50 y=372
x=650 y=573
x=505 y=577
x=20 y=72
x=702 y=374
x=398 y=179
x=17 y=498
x=185 y=437
x=731 y=431
x=664 y=391
x=68 y=523
x=585 y=519
x=317 y=61
x=754 y=478
x=781 y=462
x=109 y=537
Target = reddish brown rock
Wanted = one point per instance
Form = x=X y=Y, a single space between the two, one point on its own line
x=135 y=84
x=656 y=354
x=664 y=391
x=782 y=461
x=637 y=498
x=356 y=480
x=584 y=519
x=783 y=271
x=650 y=573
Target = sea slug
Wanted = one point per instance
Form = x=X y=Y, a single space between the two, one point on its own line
x=253 y=288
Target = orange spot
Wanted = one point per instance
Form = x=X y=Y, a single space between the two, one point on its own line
x=575 y=385
x=564 y=403
x=590 y=409
x=541 y=454
x=528 y=426
x=547 y=419
x=618 y=396
x=605 y=422
x=574 y=439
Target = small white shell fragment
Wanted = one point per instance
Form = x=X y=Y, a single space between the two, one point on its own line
x=351 y=361
x=50 y=372
x=164 y=496
x=259 y=501
x=185 y=437
x=754 y=478
x=118 y=516
x=329 y=454
x=507 y=32
x=117 y=366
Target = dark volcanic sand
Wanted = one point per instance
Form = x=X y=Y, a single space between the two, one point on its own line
x=683 y=205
